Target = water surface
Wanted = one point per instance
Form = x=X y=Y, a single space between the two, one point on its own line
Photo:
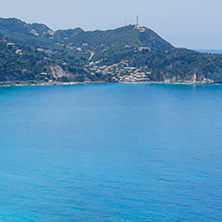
x=134 y=152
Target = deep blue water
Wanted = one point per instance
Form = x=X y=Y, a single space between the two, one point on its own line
x=144 y=152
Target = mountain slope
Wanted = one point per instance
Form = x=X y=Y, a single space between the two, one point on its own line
x=129 y=36
x=37 y=35
x=20 y=64
x=34 y=52
x=26 y=34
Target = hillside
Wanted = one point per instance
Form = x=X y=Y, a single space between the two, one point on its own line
x=129 y=36
x=35 y=53
x=18 y=64
x=25 y=34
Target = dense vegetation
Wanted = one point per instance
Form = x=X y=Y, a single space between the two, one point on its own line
x=115 y=39
x=34 y=52
x=25 y=66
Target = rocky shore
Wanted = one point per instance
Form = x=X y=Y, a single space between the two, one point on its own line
x=51 y=83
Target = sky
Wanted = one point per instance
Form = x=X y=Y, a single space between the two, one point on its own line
x=194 y=24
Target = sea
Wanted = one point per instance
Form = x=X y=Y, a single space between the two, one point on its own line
x=111 y=152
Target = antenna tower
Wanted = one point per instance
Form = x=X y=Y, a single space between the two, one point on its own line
x=137 y=20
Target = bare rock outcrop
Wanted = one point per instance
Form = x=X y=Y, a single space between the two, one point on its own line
x=58 y=72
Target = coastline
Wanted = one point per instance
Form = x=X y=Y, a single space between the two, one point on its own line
x=54 y=83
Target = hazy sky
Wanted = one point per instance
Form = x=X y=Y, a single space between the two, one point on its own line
x=184 y=23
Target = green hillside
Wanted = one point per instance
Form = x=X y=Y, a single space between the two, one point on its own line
x=34 y=52
x=18 y=64
x=25 y=34
x=132 y=36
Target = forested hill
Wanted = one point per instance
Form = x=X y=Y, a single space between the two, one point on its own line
x=37 y=35
x=129 y=36
x=34 y=53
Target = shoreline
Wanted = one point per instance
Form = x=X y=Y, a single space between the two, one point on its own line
x=56 y=83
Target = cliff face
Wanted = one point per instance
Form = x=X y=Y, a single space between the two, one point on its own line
x=216 y=76
x=190 y=80
x=58 y=72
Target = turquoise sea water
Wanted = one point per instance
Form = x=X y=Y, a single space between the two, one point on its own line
x=136 y=152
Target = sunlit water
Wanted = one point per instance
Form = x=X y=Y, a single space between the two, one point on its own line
x=140 y=152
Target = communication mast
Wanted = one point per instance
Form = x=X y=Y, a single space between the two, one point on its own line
x=137 y=20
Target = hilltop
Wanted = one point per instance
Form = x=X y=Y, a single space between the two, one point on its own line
x=34 y=53
x=39 y=35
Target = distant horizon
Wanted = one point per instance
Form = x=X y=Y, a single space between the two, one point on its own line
x=215 y=51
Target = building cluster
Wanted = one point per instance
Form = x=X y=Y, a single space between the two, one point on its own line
x=121 y=72
x=12 y=46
